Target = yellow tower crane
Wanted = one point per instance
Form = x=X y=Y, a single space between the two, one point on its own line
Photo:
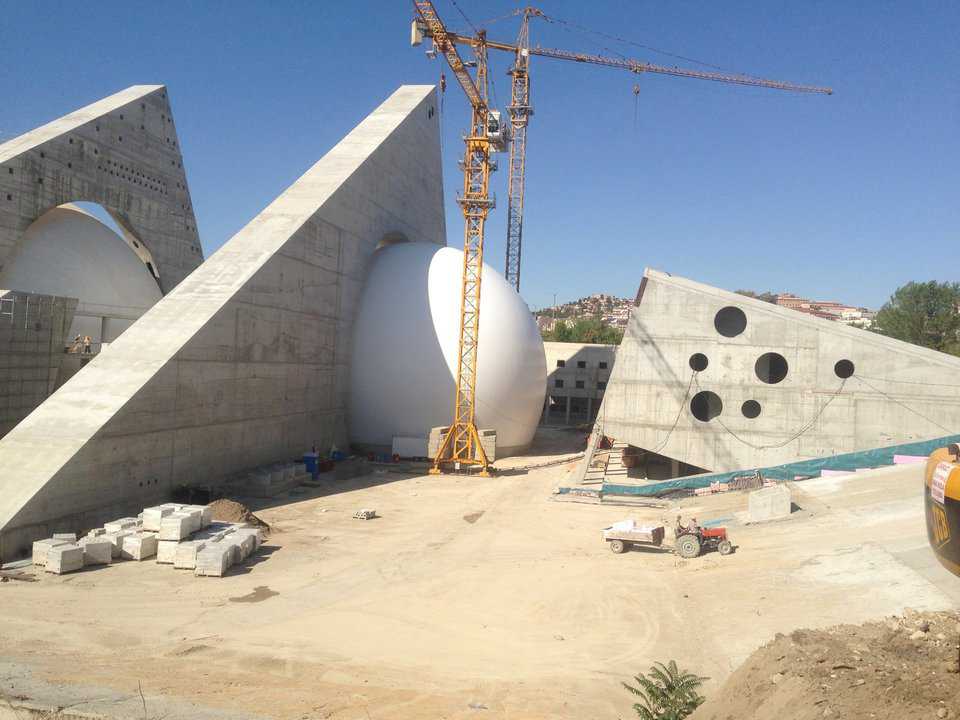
x=487 y=134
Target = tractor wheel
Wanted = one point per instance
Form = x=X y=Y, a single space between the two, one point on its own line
x=617 y=546
x=688 y=546
x=724 y=547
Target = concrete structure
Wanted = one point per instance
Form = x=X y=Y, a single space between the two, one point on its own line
x=725 y=382
x=33 y=330
x=577 y=378
x=68 y=252
x=769 y=503
x=123 y=153
x=244 y=363
x=406 y=343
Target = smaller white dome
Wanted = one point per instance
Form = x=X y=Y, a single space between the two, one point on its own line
x=70 y=253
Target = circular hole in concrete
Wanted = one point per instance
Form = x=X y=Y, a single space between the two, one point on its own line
x=750 y=409
x=698 y=362
x=771 y=368
x=730 y=321
x=706 y=405
x=843 y=369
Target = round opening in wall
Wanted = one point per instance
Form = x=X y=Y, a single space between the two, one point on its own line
x=706 y=405
x=771 y=368
x=698 y=362
x=843 y=369
x=730 y=321
x=750 y=409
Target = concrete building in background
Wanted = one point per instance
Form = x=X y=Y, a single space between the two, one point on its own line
x=59 y=264
x=577 y=377
x=724 y=382
x=245 y=362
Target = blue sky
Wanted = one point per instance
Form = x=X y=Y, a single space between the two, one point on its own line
x=843 y=197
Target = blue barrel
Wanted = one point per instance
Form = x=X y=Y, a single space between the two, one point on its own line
x=310 y=460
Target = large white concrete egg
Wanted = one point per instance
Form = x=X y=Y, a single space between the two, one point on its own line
x=68 y=252
x=405 y=343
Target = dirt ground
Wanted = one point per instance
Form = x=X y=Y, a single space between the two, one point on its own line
x=467 y=598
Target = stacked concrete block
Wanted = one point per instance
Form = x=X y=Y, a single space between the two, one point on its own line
x=206 y=513
x=769 y=503
x=152 y=516
x=167 y=551
x=41 y=549
x=97 y=551
x=68 y=537
x=186 y=554
x=96 y=532
x=121 y=524
x=116 y=541
x=215 y=559
x=64 y=558
x=139 y=546
x=180 y=525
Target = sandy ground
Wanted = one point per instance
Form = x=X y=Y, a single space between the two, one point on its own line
x=467 y=598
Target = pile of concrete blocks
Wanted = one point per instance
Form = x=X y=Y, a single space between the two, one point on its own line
x=184 y=536
x=769 y=503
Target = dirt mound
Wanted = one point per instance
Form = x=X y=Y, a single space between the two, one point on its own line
x=902 y=667
x=225 y=510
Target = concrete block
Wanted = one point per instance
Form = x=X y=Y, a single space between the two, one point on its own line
x=206 y=513
x=96 y=532
x=139 y=546
x=215 y=559
x=244 y=543
x=41 y=549
x=186 y=556
x=64 y=558
x=97 y=551
x=179 y=525
x=69 y=537
x=167 y=551
x=152 y=516
x=121 y=524
x=116 y=541
x=769 y=503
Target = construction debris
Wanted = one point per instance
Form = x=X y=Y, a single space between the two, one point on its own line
x=365 y=514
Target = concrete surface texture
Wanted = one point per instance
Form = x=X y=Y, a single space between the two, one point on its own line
x=247 y=361
x=411 y=305
x=773 y=385
x=33 y=330
x=468 y=599
x=70 y=253
x=121 y=152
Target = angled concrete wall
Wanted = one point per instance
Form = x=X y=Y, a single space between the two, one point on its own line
x=247 y=361
x=121 y=152
x=896 y=392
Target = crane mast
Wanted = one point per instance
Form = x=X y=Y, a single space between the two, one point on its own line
x=520 y=112
x=462 y=445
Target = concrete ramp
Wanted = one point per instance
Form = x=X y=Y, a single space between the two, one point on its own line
x=246 y=362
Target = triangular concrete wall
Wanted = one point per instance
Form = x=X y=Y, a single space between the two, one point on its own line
x=121 y=152
x=246 y=362
x=898 y=392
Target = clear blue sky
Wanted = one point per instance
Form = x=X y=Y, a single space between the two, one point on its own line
x=843 y=197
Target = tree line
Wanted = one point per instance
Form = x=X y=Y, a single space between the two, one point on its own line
x=922 y=313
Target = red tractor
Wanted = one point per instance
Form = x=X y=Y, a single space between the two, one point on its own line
x=690 y=541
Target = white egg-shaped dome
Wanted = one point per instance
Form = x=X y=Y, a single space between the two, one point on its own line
x=68 y=252
x=405 y=343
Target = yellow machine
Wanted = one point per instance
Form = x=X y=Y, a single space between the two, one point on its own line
x=941 y=496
